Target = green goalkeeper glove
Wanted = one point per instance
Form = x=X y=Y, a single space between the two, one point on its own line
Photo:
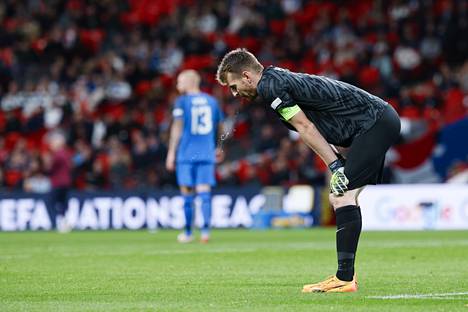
x=339 y=181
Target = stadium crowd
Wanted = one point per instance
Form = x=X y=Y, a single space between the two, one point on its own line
x=103 y=72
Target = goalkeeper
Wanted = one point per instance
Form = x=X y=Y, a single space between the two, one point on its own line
x=326 y=113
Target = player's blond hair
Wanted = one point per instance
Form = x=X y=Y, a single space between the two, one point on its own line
x=237 y=61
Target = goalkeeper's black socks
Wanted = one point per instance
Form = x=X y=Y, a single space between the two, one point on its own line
x=348 y=228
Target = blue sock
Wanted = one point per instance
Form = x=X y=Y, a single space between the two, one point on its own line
x=188 y=211
x=206 y=209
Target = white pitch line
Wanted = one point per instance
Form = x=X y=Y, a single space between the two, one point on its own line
x=422 y=296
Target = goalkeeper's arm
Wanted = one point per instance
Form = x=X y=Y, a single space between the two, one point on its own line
x=314 y=139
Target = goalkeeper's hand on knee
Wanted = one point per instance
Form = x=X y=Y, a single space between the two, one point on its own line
x=339 y=181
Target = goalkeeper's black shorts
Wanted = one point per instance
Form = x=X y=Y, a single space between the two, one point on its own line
x=366 y=156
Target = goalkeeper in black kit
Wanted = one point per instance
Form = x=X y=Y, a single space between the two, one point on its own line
x=330 y=116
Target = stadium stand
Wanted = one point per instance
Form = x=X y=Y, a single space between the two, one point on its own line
x=103 y=72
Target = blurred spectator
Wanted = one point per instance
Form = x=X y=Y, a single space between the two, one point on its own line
x=35 y=180
x=16 y=164
x=119 y=163
x=59 y=167
x=266 y=142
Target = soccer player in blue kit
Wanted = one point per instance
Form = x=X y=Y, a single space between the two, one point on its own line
x=327 y=113
x=196 y=127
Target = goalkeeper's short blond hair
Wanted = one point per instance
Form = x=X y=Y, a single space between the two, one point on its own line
x=237 y=61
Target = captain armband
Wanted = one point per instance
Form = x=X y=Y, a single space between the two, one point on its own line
x=287 y=113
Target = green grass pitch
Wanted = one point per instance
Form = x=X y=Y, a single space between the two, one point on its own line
x=239 y=270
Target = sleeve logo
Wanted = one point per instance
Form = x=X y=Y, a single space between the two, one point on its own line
x=275 y=103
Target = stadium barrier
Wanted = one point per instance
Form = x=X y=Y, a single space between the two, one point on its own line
x=415 y=207
x=385 y=207
x=232 y=208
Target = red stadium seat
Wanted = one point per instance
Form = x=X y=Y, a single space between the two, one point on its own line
x=453 y=109
x=92 y=39
x=277 y=27
x=233 y=41
x=13 y=177
x=11 y=139
x=369 y=77
x=198 y=62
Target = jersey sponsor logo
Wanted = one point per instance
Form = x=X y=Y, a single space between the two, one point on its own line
x=275 y=103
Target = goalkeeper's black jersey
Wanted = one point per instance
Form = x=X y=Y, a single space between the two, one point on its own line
x=339 y=110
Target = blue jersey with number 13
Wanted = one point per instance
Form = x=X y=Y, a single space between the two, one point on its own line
x=201 y=115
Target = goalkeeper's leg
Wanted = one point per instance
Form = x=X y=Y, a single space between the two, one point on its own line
x=364 y=165
x=348 y=230
x=348 y=223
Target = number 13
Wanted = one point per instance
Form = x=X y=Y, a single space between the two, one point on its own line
x=201 y=120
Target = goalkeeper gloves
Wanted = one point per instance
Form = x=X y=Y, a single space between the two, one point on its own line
x=339 y=181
